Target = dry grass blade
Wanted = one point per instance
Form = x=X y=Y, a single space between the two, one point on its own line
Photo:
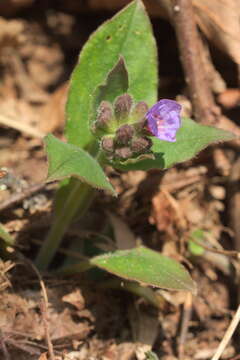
x=228 y=334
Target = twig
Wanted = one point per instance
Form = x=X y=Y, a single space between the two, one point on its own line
x=43 y=306
x=20 y=126
x=228 y=334
x=233 y=253
x=205 y=109
x=16 y=198
x=186 y=317
x=4 y=349
x=234 y=202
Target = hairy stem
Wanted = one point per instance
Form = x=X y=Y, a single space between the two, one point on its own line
x=78 y=201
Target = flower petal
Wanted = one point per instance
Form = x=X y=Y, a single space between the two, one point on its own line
x=164 y=120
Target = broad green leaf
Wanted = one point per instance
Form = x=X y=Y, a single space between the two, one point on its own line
x=4 y=234
x=114 y=85
x=129 y=33
x=191 y=139
x=147 y=267
x=67 y=160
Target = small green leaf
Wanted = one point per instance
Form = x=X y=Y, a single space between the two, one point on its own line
x=147 y=267
x=66 y=160
x=128 y=33
x=193 y=247
x=114 y=85
x=150 y=355
x=191 y=139
x=4 y=234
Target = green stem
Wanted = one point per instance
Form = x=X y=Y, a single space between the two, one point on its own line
x=75 y=268
x=146 y=292
x=79 y=200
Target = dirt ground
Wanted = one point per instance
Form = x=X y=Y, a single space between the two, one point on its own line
x=88 y=316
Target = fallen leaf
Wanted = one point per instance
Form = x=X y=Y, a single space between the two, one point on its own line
x=43 y=356
x=219 y=21
x=230 y=98
x=52 y=114
x=75 y=298
x=125 y=239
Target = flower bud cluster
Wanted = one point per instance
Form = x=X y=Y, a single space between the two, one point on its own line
x=121 y=128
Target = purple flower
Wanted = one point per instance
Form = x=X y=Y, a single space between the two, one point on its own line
x=164 y=120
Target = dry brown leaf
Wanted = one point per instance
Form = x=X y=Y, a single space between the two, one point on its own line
x=52 y=115
x=75 y=298
x=10 y=7
x=163 y=215
x=219 y=20
x=144 y=325
x=124 y=237
x=230 y=98
x=4 y=268
x=43 y=356
x=11 y=33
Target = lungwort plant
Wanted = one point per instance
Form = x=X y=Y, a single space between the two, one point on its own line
x=114 y=118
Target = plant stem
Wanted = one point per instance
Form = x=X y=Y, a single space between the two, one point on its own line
x=78 y=200
x=146 y=292
x=75 y=268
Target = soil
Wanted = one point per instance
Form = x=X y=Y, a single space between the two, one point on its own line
x=85 y=317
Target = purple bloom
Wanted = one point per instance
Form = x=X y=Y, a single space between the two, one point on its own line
x=164 y=120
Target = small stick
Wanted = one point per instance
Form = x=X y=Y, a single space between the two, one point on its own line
x=234 y=253
x=186 y=317
x=44 y=310
x=228 y=334
x=16 y=198
x=205 y=109
x=4 y=349
x=43 y=306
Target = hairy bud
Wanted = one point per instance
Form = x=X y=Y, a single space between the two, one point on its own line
x=122 y=107
x=141 y=145
x=104 y=117
x=124 y=134
x=140 y=110
x=123 y=153
x=107 y=144
x=138 y=116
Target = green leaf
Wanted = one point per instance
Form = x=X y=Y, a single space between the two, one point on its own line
x=67 y=160
x=129 y=33
x=147 y=267
x=114 y=85
x=193 y=247
x=191 y=139
x=151 y=356
x=4 y=234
